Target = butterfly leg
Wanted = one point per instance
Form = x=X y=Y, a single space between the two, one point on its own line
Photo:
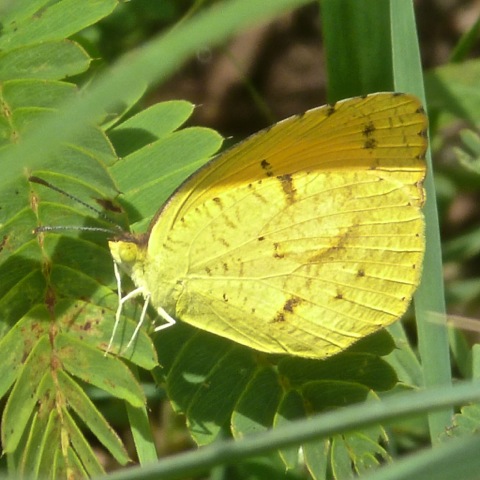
x=168 y=318
x=139 y=324
x=121 y=301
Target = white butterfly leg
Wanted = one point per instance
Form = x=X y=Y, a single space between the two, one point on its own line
x=140 y=322
x=121 y=301
x=168 y=318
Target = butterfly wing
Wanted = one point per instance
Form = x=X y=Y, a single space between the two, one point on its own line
x=303 y=238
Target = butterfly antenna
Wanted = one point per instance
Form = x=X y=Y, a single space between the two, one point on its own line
x=68 y=228
x=101 y=214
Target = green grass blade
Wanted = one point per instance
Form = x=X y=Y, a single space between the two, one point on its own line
x=359 y=59
x=432 y=336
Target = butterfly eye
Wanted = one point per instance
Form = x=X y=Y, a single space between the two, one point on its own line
x=124 y=253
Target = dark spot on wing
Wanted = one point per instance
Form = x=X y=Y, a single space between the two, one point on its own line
x=277 y=253
x=288 y=188
x=290 y=304
x=368 y=129
x=288 y=308
x=267 y=167
x=331 y=109
x=370 y=144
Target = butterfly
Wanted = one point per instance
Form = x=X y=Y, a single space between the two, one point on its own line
x=300 y=240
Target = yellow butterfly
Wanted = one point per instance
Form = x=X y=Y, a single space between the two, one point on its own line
x=301 y=239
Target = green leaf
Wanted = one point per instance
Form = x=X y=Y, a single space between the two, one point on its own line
x=34 y=93
x=453 y=89
x=356 y=450
x=47 y=457
x=93 y=367
x=290 y=409
x=316 y=458
x=469 y=155
x=205 y=382
x=52 y=21
x=89 y=462
x=256 y=407
x=151 y=174
x=24 y=395
x=49 y=61
x=404 y=359
x=142 y=434
x=363 y=368
x=149 y=125
x=467 y=421
x=87 y=411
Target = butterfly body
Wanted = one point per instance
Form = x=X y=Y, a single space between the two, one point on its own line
x=302 y=239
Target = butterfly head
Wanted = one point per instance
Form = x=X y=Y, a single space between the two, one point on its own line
x=127 y=251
